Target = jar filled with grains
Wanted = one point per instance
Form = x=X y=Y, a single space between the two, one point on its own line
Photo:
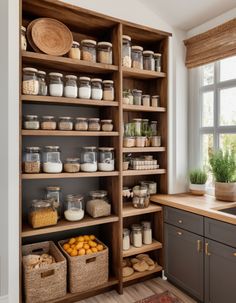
x=56 y=84
x=43 y=88
x=126 y=51
x=84 y=88
x=137 y=57
x=106 y=159
x=32 y=160
x=146 y=100
x=74 y=52
x=48 y=123
x=94 y=124
x=31 y=122
x=157 y=59
x=155 y=101
x=23 y=39
x=89 y=159
x=71 y=89
x=88 y=48
x=98 y=204
x=105 y=52
x=107 y=125
x=53 y=193
x=137 y=94
x=81 y=124
x=42 y=214
x=148 y=60
x=30 y=81
x=108 y=90
x=96 y=86
x=72 y=165
x=65 y=123
x=52 y=160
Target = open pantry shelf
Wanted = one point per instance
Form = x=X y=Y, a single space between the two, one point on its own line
x=140 y=250
x=138 y=275
x=141 y=74
x=141 y=108
x=143 y=149
x=72 y=133
x=129 y=210
x=143 y=172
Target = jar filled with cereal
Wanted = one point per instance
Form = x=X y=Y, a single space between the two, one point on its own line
x=108 y=90
x=30 y=81
x=105 y=52
x=42 y=214
x=32 y=160
x=88 y=48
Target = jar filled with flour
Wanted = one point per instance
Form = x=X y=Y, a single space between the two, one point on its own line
x=74 y=207
x=84 y=88
x=52 y=160
x=106 y=159
x=56 y=86
x=89 y=159
x=71 y=89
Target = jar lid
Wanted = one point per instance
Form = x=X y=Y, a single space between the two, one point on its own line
x=56 y=74
x=33 y=148
x=84 y=78
x=71 y=77
x=76 y=43
x=30 y=69
x=147 y=96
x=31 y=116
x=156 y=96
x=81 y=118
x=96 y=80
x=90 y=147
x=137 y=91
x=157 y=54
x=108 y=82
x=72 y=159
x=145 y=120
x=146 y=224
x=148 y=52
x=48 y=117
x=41 y=72
x=52 y=147
x=126 y=37
x=126 y=231
x=89 y=41
x=23 y=28
x=41 y=203
x=94 y=119
x=74 y=197
x=136 y=47
x=105 y=43
x=106 y=149
x=154 y=122
x=137 y=120
x=65 y=118
x=136 y=227
x=98 y=193
x=53 y=188
x=106 y=121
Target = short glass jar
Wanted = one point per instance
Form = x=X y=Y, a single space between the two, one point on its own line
x=53 y=193
x=71 y=89
x=129 y=141
x=136 y=235
x=23 y=39
x=98 y=204
x=48 y=123
x=84 y=88
x=43 y=88
x=97 y=90
x=140 y=141
x=81 y=124
x=65 y=123
x=107 y=125
x=148 y=60
x=147 y=232
x=104 y=51
x=52 y=160
x=106 y=160
x=94 y=124
x=157 y=59
x=108 y=90
x=126 y=51
x=146 y=100
x=137 y=57
x=32 y=160
x=155 y=101
x=152 y=186
x=137 y=126
x=31 y=122
x=74 y=52
x=74 y=208
x=72 y=165
x=56 y=84
x=88 y=49
x=141 y=198
x=126 y=239
x=30 y=84
x=156 y=141
x=89 y=159
x=137 y=94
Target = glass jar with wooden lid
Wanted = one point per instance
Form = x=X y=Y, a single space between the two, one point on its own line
x=148 y=60
x=137 y=56
x=88 y=50
x=75 y=52
x=108 y=90
x=126 y=51
x=30 y=81
x=104 y=52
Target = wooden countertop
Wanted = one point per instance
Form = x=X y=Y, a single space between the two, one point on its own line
x=206 y=205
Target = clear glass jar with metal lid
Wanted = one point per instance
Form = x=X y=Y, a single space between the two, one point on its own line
x=71 y=89
x=155 y=101
x=107 y=125
x=52 y=160
x=81 y=124
x=97 y=91
x=146 y=100
x=126 y=51
x=74 y=208
x=48 y=123
x=23 y=39
x=42 y=214
x=126 y=239
x=32 y=160
x=104 y=52
x=84 y=88
x=147 y=232
x=89 y=159
x=157 y=59
x=106 y=160
x=141 y=198
x=98 y=204
x=137 y=57
x=136 y=235
x=31 y=122
x=43 y=88
x=94 y=124
x=30 y=84
x=137 y=126
x=137 y=94
x=72 y=165
x=53 y=193
x=75 y=52
x=108 y=90
x=88 y=49
x=65 y=123
x=148 y=60
x=56 y=85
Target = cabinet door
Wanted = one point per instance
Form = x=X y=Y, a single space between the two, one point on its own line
x=184 y=260
x=220 y=273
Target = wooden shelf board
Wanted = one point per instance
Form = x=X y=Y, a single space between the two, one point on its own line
x=143 y=172
x=68 y=175
x=66 y=101
x=140 y=250
x=129 y=210
x=141 y=108
x=63 y=225
x=72 y=133
x=141 y=74
x=143 y=149
x=138 y=275
x=65 y=64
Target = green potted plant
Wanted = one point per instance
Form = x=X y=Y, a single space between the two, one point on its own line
x=223 y=166
x=198 y=178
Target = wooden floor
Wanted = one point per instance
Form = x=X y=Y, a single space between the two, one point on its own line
x=139 y=291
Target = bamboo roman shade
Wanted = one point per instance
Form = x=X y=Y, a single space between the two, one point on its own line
x=215 y=44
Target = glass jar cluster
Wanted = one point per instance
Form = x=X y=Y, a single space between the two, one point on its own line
x=134 y=56
x=146 y=162
x=135 y=97
x=37 y=83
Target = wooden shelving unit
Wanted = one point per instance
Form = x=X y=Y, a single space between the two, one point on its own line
x=86 y=24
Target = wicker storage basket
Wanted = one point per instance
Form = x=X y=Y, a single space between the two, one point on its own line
x=88 y=271
x=46 y=283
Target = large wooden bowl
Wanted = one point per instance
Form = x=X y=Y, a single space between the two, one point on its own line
x=29 y=37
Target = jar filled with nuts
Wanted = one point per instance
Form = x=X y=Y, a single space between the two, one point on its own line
x=81 y=124
x=108 y=90
x=148 y=60
x=126 y=51
x=32 y=160
x=31 y=122
x=65 y=123
x=94 y=124
x=48 y=123
x=88 y=48
x=74 y=52
x=84 y=88
x=137 y=57
x=30 y=81
x=105 y=52
x=97 y=92
x=107 y=125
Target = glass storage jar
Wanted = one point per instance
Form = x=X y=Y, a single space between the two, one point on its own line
x=137 y=96
x=48 y=123
x=32 y=160
x=84 y=88
x=153 y=126
x=136 y=235
x=89 y=159
x=42 y=214
x=74 y=208
x=146 y=100
x=31 y=122
x=65 y=123
x=156 y=141
x=106 y=160
x=30 y=81
x=88 y=48
x=104 y=52
x=98 y=204
x=155 y=101
x=148 y=60
x=81 y=124
x=23 y=39
x=43 y=88
x=94 y=124
x=107 y=125
x=157 y=59
x=126 y=51
x=137 y=126
x=52 y=160
x=129 y=141
x=97 y=90
x=126 y=239
x=56 y=84
x=72 y=165
x=71 y=89
x=137 y=57
x=151 y=185
x=53 y=193
x=141 y=198
x=74 y=52
x=108 y=90
x=147 y=232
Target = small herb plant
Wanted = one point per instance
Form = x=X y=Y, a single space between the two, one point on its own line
x=198 y=176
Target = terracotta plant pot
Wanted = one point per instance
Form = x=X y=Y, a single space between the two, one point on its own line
x=197 y=189
x=225 y=191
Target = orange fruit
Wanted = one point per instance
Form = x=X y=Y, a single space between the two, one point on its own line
x=73 y=253
x=72 y=246
x=100 y=247
x=86 y=238
x=92 y=243
x=92 y=237
x=66 y=246
x=72 y=241
x=89 y=252
x=69 y=251
x=79 y=245
x=94 y=249
x=86 y=246
x=81 y=252
x=81 y=239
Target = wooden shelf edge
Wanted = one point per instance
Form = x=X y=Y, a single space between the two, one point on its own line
x=130 y=211
x=143 y=108
x=138 y=275
x=143 y=149
x=130 y=172
x=72 y=133
x=145 y=248
x=141 y=73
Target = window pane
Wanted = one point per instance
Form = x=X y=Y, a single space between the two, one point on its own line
x=208 y=74
x=228 y=141
x=208 y=109
x=207 y=149
x=228 y=69
x=228 y=106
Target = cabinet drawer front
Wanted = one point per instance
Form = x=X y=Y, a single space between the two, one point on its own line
x=183 y=219
x=220 y=231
